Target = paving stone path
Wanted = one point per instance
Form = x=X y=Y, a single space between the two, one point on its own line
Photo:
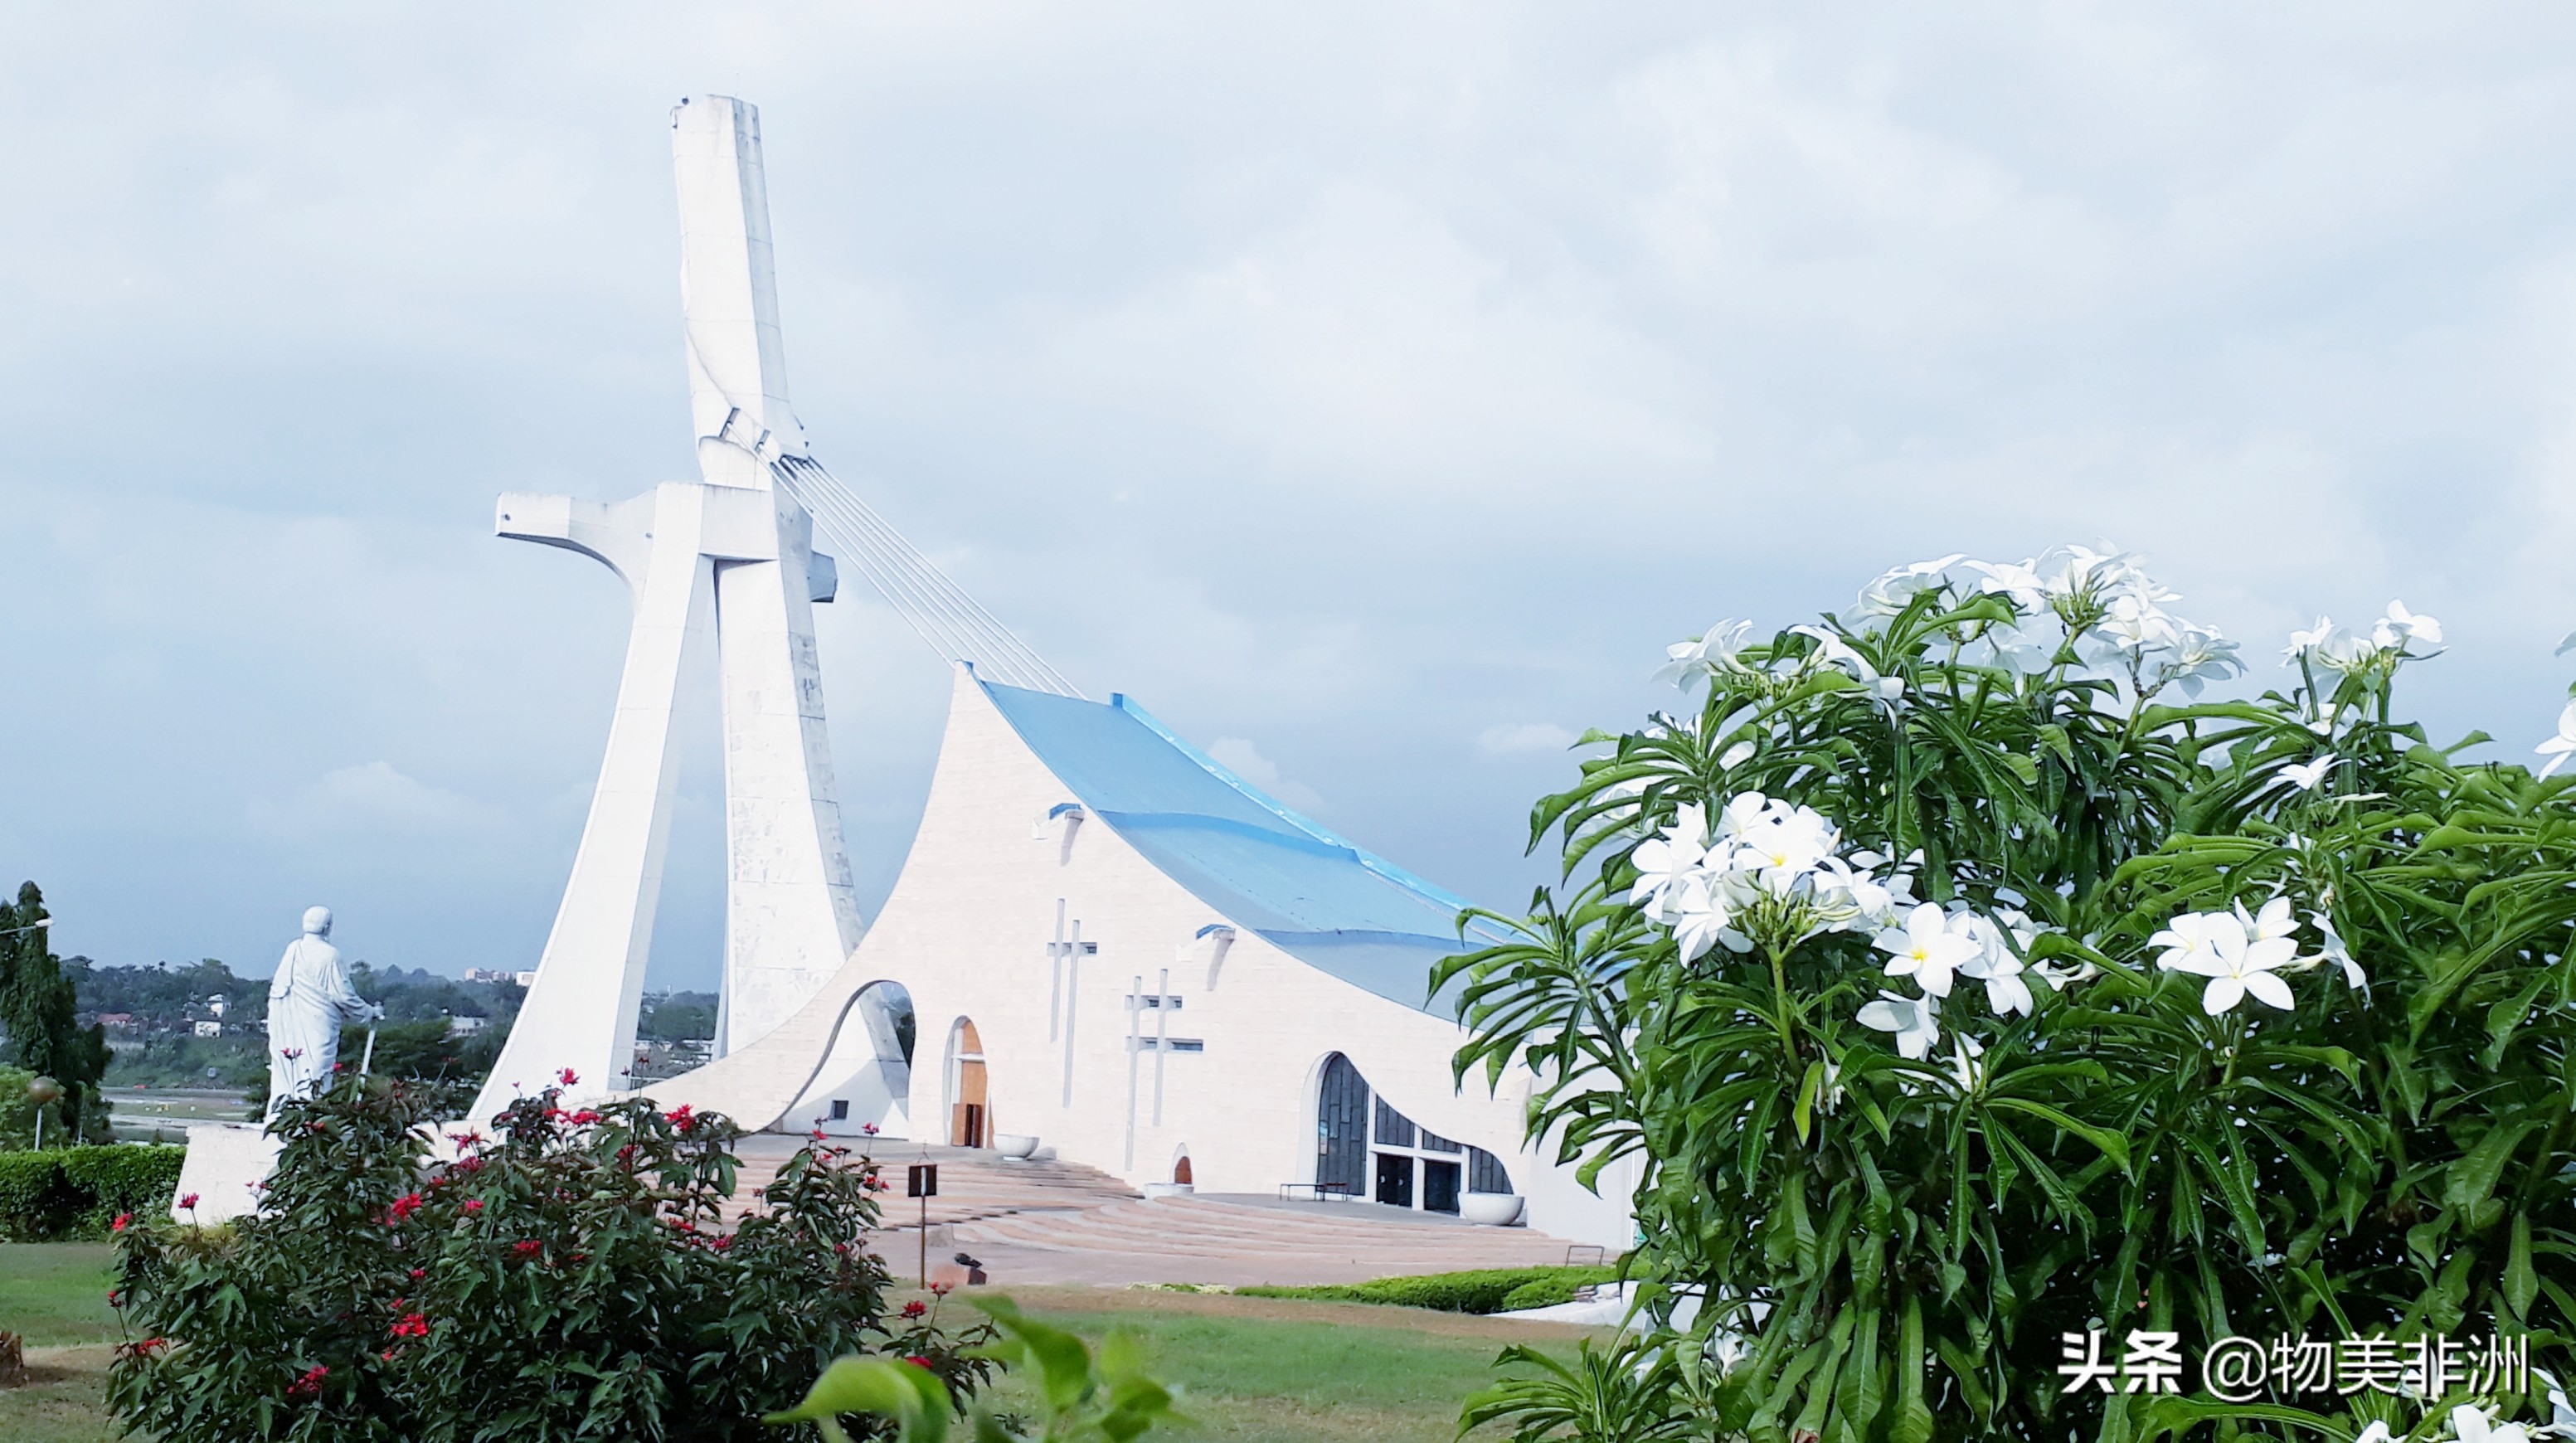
x=1053 y=1222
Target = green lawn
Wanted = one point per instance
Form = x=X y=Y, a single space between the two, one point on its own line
x=55 y=1296
x=1253 y=1370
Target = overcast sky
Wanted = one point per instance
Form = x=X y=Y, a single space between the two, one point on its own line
x=1370 y=390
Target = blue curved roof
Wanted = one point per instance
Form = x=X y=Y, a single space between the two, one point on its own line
x=1258 y=864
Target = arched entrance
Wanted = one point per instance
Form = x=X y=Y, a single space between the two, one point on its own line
x=1181 y=1170
x=970 y=1118
x=1366 y=1149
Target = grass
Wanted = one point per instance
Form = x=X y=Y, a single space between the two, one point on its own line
x=1253 y=1370
x=55 y=1296
x=1257 y=1370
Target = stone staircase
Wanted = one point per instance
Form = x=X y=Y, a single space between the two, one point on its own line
x=1061 y=1223
x=973 y=1183
x=1217 y=1239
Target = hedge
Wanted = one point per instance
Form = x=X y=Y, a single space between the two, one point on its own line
x=78 y=1191
x=1485 y=1290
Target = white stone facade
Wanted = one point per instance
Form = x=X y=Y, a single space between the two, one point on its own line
x=990 y=883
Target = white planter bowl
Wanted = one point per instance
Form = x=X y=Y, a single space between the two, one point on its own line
x=1168 y=1189
x=1015 y=1146
x=1491 y=1209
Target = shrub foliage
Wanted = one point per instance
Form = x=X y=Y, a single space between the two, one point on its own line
x=1958 y=980
x=79 y=1191
x=572 y=1276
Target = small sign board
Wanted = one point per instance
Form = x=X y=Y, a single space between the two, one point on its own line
x=921 y=1180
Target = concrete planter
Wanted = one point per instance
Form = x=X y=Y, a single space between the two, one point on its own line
x=1168 y=1189
x=1491 y=1209
x=1014 y=1146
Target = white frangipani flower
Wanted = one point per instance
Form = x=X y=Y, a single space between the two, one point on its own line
x=2335 y=952
x=1669 y=861
x=2303 y=642
x=1688 y=663
x=1736 y=755
x=2222 y=947
x=1889 y=593
x=2400 y=626
x=2191 y=940
x=2377 y=1432
x=1832 y=650
x=2020 y=583
x=2558 y=747
x=2199 y=657
x=2306 y=775
x=2472 y=1424
x=2272 y=923
x=1928 y=949
x=1916 y=1021
x=2562 y=1417
x=1701 y=918
x=1997 y=966
x=2028 y=646
x=1965 y=1066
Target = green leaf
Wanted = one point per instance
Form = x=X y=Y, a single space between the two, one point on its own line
x=906 y=1393
x=2521 y=1284
x=2110 y=1143
x=2473 y=1177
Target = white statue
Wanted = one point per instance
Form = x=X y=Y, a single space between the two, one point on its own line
x=308 y=999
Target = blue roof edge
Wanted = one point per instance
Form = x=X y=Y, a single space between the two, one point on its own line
x=1372 y=861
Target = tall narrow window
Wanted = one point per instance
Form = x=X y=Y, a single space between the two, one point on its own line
x=1341 y=1130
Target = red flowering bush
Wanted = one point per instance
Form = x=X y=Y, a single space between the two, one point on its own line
x=570 y=1277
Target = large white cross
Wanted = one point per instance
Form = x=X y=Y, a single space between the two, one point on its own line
x=724 y=564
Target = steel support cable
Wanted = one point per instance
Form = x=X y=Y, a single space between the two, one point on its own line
x=919 y=608
x=917 y=594
x=913 y=592
x=937 y=608
x=948 y=608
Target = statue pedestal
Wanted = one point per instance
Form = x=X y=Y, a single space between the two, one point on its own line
x=226 y=1163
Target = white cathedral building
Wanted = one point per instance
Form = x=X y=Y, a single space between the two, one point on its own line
x=1101 y=940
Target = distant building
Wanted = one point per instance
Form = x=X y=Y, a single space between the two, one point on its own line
x=215 y=1004
x=116 y=1021
x=208 y=1027
x=466 y=1026
x=488 y=974
x=525 y=979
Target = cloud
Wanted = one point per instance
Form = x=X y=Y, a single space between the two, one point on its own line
x=371 y=798
x=1506 y=739
x=1349 y=376
x=1246 y=761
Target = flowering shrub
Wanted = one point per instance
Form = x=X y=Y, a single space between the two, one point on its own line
x=569 y=1276
x=1962 y=978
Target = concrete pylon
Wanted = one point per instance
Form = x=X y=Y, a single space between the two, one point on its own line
x=722 y=566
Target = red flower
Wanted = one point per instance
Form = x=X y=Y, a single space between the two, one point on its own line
x=310 y=1385
x=149 y=1346
x=474 y=1205
x=292 y=1053
x=869 y=1128
x=567 y=1077
x=626 y=1155
x=914 y=1309
x=527 y=1247
x=940 y=1290
x=115 y=1299
x=122 y=1219
x=918 y=1361
x=419 y=1273
x=405 y=1206
x=188 y=1201
x=683 y=1117
x=411 y=1325
x=724 y=1242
